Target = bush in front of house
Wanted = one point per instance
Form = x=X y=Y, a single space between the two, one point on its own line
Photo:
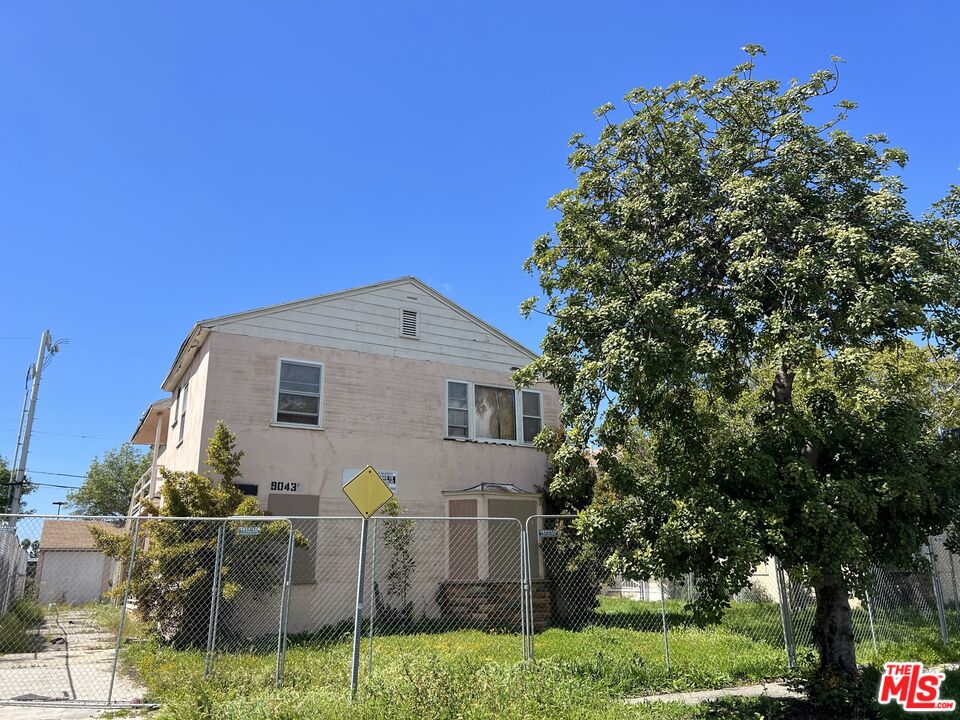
x=173 y=573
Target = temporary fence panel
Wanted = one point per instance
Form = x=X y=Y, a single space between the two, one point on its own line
x=323 y=581
x=430 y=576
x=569 y=586
x=249 y=599
x=58 y=635
x=100 y=584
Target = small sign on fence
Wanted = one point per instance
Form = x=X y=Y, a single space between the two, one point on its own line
x=548 y=534
x=248 y=531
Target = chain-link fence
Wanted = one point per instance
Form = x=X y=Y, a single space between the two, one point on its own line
x=569 y=587
x=431 y=576
x=82 y=600
x=77 y=590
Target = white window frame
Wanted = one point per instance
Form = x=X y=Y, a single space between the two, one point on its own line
x=521 y=416
x=175 y=415
x=471 y=411
x=276 y=394
x=182 y=408
x=446 y=410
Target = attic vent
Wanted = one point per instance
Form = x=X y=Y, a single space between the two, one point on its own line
x=408 y=323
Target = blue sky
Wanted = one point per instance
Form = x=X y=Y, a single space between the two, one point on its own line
x=169 y=162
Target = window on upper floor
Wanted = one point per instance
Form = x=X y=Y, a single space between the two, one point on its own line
x=180 y=413
x=489 y=412
x=299 y=387
x=532 y=409
x=494 y=413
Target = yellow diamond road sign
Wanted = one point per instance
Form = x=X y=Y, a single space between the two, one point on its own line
x=367 y=491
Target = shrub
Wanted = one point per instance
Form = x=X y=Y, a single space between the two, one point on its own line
x=173 y=574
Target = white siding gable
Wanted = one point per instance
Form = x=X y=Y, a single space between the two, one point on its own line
x=370 y=320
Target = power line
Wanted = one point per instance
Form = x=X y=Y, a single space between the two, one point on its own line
x=41 y=472
x=54 y=485
x=63 y=434
x=41 y=484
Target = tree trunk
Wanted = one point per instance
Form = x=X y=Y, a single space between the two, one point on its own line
x=832 y=622
x=833 y=628
x=783 y=387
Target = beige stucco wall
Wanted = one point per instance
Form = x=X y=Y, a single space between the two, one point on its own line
x=385 y=411
x=377 y=409
x=187 y=455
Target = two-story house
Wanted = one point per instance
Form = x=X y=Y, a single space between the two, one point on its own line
x=394 y=375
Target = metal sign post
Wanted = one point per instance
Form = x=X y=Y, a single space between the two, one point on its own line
x=368 y=493
x=358 y=613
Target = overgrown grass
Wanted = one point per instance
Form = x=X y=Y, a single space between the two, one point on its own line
x=476 y=674
x=19 y=627
x=422 y=685
x=107 y=616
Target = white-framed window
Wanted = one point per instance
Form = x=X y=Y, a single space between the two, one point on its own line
x=480 y=411
x=180 y=417
x=299 y=392
x=531 y=414
x=458 y=409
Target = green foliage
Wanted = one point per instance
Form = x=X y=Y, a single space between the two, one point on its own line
x=19 y=627
x=473 y=674
x=223 y=457
x=172 y=578
x=6 y=491
x=109 y=483
x=733 y=290
x=397 y=537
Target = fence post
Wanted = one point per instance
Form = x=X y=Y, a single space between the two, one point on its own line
x=285 y=607
x=938 y=592
x=525 y=620
x=373 y=595
x=663 y=616
x=873 y=627
x=786 y=615
x=953 y=578
x=123 y=607
x=528 y=567
x=215 y=600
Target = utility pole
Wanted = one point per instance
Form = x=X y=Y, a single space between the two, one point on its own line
x=20 y=471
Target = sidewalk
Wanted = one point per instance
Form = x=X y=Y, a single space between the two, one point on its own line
x=695 y=697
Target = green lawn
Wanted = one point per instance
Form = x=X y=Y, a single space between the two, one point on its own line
x=476 y=674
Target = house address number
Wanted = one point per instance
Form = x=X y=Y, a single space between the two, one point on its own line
x=283 y=486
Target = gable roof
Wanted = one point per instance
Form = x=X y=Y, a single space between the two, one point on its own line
x=198 y=334
x=71 y=534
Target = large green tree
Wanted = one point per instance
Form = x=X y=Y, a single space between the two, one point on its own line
x=110 y=481
x=733 y=284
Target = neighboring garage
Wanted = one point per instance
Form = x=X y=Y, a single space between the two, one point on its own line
x=70 y=568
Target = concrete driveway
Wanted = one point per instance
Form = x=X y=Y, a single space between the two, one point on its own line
x=73 y=661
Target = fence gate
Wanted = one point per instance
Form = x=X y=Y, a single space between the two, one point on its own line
x=78 y=592
x=58 y=640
